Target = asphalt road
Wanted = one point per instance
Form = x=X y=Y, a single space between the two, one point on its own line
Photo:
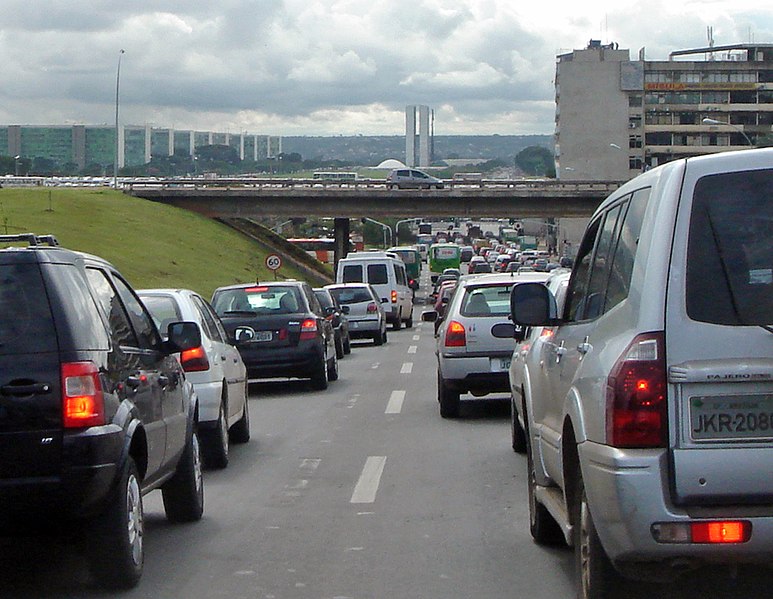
x=361 y=491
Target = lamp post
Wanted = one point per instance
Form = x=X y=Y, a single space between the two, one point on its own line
x=117 y=87
x=16 y=165
x=397 y=227
x=383 y=226
x=708 y=121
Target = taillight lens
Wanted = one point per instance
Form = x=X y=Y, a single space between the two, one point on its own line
x=194 y=360
x=394 y=297
x=636 y=395
x=721 y=532
x=372 y=308
x=455 y=335
x=308 y=329
x=83 y=402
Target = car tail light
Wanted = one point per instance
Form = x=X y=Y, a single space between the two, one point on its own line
x=394 y=297
x=636 y=395
x=372 y=307
x=194 y=360
x=83 y=403
x=455 y=335
x=719 y=532
x=261 y=289
x=308 y=329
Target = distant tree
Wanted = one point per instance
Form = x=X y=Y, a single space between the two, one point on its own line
x=43 y=166
x=536 y=160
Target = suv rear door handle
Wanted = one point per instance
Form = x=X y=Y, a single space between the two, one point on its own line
x=584 y=347
x=560 y=351
x=22 y=390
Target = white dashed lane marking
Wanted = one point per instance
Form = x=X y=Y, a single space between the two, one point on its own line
x=412 y=349
x=367 y=486
x=407 y=368
x=395 y=405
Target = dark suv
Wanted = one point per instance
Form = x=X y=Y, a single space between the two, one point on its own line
x=280 y=329
x=95 y=410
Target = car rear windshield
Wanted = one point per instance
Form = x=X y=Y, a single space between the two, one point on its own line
x=352 y=296
x=261 y=299
x=730 y=249
x=26 y=323
x=352 y=273
x=486 y=301
x=163 y=309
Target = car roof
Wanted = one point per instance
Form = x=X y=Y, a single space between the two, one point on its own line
x=284 y=283
x=504 y=278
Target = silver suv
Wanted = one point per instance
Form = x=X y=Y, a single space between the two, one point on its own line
x=650 y=427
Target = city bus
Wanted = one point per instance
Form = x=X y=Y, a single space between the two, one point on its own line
x=412 y=258
x=322 y=248
x=335 y=176
x=442 y=256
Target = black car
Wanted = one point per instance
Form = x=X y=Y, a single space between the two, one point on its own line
x=336 y=314
x=95 y=410
x=280 y=330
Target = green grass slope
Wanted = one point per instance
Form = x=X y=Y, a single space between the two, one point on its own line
x=153 y=245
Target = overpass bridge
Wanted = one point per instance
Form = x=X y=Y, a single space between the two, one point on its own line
x=243 y=198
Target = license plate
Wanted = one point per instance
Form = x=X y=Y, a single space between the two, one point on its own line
x=731 y=417
x=263 y=335
x=500 y=364
x=353 y=324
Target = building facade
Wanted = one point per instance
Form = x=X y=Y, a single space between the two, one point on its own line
x=418 y=144
x=616 y=117
x=83 y=145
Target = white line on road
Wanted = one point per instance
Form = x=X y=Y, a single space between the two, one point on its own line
x=367 y=486
x=407 y=368
x=395 y=404
x=416 y=337
x=412 y=349
x=375 y=365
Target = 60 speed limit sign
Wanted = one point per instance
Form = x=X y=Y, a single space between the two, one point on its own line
x=273 y=262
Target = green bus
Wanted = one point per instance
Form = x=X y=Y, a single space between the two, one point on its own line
x=442 y=256
x=412 y=258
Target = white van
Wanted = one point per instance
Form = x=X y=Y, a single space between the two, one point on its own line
x=385 y=272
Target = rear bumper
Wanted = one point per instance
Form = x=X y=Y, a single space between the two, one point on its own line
x=480 y=374
x=628 y=492
x=300 y=361
x=364 y=328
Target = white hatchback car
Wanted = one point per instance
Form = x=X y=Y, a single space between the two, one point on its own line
x=215 y=369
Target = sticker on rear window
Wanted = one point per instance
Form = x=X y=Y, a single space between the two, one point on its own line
x=761 y=276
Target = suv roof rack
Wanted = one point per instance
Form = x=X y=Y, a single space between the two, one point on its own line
x=31 y=239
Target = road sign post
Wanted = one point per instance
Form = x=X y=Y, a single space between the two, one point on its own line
x=273 y=262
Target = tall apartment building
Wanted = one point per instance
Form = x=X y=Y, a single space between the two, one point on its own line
x=418 y=145
x=83 y=145
x=616 y=116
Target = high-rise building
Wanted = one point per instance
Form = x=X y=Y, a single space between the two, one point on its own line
x=418 y=145
x=616 y=116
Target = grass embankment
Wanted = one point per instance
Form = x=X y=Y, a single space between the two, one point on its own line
x=153 y=245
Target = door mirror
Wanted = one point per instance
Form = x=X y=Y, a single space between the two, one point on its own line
x=532 y=304
x=183 y=336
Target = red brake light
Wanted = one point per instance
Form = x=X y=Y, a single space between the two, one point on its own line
x=194 y=360
x=636 y=395
x=394 y=297
x=733 y=531
x=83 y=403
x=372 y=307
x=308 y=329
x=455 y=335
x=256 y=289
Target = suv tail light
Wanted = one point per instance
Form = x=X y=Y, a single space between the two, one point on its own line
x=636 y=395
x=194 y=360
x=455 y=335
x=394 y=297
x=372 y=307
x=83 y=403
x=308 y=329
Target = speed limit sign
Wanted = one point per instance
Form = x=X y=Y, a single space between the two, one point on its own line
x=273 y=262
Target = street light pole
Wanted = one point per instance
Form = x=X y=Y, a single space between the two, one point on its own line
x=117 y=87
x=397 y=227
x=385 y=227
x=708 y=121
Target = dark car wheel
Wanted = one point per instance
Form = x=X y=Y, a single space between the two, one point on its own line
x=397 y=324
x=448 y=399
x=348 y=345
x=319 y=378
x=183 y=494
x=379 y=337
x=116 y=550
x=214 y=442
x=332 y=368
x=339 y=343
x=516 y=430
x=240 y=431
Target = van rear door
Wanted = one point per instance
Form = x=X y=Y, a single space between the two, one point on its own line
x=719 y=337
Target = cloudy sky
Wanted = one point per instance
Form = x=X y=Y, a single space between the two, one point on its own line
x=328 y=67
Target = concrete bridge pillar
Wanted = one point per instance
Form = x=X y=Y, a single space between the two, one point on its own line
x=341 y=233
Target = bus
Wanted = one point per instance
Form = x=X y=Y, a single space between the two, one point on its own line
x=322 y=248
x=335 y=176
x=442 y=256
x=412 y=258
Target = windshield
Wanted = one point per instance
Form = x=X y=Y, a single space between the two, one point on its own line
x=730 y=250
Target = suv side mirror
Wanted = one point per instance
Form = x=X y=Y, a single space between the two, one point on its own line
x=345 y=309
x=532 y=304
x=183 y=336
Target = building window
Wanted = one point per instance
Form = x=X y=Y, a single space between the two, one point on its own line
x=658 y=118
x=657 y=77
x=634 y=122
x=714 y=77
x=634 y=100
x=743 y=77
x=634 y=163
x=634 y=141
x=658 y=139
x=689 y=77
x=688 y=118
x=715 y=97
x=743 y=97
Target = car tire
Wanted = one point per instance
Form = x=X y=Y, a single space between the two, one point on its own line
x=448 y=399
x=240 y=431
x=378 y=338
x=542 y=527
x=409 y=322
x=384 y=336
x=332 y=367
x=319 y=378
x=214 y=442
x=347 y=345
x=397 y=324
x=339 y=347
x=518 y=435
x=116 y=545
x=183 y=494
x=596 y=577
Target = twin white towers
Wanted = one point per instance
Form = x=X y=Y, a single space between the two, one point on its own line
x=419 y=145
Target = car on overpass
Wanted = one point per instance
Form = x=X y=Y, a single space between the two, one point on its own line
x=408 y=178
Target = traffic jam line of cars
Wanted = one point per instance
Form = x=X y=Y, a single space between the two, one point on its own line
x=641 y=381
x=107 y=393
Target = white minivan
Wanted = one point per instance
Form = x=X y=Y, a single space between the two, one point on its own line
x=385 y=272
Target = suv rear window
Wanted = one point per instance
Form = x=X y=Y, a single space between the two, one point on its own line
x=352 y=295
x=487 y=301
x=377 y=274
x=730 y=249
x=352 y=273
x=26 y=324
